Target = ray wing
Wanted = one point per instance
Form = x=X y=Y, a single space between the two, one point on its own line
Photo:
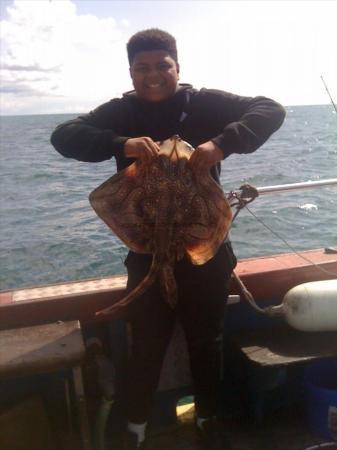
x=118 y=202
x=210 y=219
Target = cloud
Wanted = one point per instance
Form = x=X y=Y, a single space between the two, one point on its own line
x=81 y=57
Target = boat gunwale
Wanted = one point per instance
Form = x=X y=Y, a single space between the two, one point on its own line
x=267 y=277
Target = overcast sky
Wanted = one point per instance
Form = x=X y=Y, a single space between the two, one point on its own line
x=69 y=56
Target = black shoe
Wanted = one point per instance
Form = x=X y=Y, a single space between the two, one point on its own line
x=212 y=436
x=131 y=442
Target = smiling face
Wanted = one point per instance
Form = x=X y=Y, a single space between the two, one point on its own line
x=155 y=75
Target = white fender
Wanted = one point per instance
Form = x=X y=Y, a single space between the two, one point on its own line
x=312 y=306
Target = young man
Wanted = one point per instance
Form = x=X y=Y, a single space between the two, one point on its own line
x=216 y=124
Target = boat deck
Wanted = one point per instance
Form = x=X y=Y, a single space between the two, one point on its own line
x=285 y=430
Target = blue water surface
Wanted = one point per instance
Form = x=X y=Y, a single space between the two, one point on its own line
x=49 y=233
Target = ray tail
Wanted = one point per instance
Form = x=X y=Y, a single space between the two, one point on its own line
x=136 y=292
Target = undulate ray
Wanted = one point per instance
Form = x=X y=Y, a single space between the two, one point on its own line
x=161 y=208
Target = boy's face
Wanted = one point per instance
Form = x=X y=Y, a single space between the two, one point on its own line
x=155 y=75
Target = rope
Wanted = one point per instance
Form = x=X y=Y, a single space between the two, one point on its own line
x=271 y=311
x=247 y=195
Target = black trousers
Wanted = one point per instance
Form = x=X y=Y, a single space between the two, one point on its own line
x=202 y=294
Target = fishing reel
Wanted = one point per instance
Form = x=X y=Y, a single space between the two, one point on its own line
x=245 y=195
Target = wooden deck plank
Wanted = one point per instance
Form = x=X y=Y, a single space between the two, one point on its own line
x=40 y=348
x=284 y=345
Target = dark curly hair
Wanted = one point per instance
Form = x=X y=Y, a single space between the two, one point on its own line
x=152 y=39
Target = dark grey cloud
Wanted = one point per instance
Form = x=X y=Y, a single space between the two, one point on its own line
x=19 y=89
x=29 y=68
x=23 y=90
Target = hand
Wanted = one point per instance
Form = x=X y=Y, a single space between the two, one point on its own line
x=205 y=156
x=143 y=148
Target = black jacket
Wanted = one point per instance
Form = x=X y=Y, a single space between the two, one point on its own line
x=236 y=124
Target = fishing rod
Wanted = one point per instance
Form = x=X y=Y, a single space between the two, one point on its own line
x=326 y=88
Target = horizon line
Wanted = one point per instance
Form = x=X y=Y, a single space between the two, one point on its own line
x=85 y=112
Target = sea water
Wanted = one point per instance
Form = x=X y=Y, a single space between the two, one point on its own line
x=49 y=232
